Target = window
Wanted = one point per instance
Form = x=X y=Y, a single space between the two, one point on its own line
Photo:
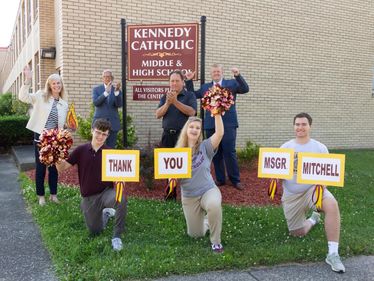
x=23 y=23
x=372 y=85
x=36 y=72
x=32 y=87
x=36 y=9
x=28 y=16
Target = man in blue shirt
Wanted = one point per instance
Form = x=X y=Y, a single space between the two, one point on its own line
x=174 y=108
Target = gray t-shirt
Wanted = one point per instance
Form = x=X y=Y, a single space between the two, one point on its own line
x=291 y=186
x=201 y=180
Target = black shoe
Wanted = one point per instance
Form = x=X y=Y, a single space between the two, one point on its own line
x=238 y=186
x=219 y=183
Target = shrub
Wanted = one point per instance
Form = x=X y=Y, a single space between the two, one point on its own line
x=147 y=162
x=19 y=108
x=249 y=152
x=84 y=125
x=13 y=130
x=131 y=133
x=11 y=106
x=5 y=104
x=84 y=129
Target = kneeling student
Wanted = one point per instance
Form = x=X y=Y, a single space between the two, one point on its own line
x=297 y=199
x=98 y=197
x=200 y=195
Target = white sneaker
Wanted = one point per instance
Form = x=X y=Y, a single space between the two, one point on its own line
x=217 y=248
x=110 y=212
x=107 y=214
x=117 y=244
x=316 y=217
x=41 y=200
x=336 y=264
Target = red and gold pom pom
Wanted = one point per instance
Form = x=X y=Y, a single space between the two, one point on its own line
x=54 y=145
x=217 y=100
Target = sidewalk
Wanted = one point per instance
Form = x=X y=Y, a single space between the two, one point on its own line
x=23 y=257
x=359 y=268
x=22 y=254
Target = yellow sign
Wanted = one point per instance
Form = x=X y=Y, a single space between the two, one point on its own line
x=321 y=168
x=172 y=163
x=276 y=163
x=120 y=165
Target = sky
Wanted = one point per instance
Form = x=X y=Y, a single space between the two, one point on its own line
x=8 y=13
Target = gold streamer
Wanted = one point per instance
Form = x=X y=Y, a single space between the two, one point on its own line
x=318 y=195
x=119 y=190
x=272 y=190
x=171 y=186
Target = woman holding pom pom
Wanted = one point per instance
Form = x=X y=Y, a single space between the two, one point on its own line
x=201 y=198
x=49 y=112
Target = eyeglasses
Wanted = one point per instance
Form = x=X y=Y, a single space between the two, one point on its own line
x=100 y=133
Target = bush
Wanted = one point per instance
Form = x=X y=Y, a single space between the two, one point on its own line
x=11 y=106
x=147 y=162
x=13 y=130
x=5 y=104
x=84 y=129
x=131 y=133
x=249 y=152
x=19 y=108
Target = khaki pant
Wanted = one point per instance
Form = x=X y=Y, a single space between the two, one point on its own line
x=296 y=206
x=195 y=209
x=92 y=208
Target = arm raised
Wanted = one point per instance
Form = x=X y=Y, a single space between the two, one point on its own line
x=219 y=131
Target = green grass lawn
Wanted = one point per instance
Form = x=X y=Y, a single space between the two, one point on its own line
x=156 y=244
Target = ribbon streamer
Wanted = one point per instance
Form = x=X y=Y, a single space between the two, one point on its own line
x=172 y=184
x=120 y=185
x=318 y=195
x=71 y=118
x=272 y=190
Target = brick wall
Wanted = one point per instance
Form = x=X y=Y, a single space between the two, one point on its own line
x=47 y=37
x=313 y=56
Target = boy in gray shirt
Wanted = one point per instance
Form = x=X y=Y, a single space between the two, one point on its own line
x=297 y=199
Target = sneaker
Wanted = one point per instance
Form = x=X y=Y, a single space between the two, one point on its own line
x=110 y=212
x=117 y=244
x=107 y=214
x=334 y=261
x=41 y=200
x=316 y=217
x=54 y=199
x=217 y=248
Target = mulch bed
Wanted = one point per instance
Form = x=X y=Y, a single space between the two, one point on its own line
x=254 y=192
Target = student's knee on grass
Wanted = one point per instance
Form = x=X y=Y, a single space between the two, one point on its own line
x=94 y=229
x=95 y=232
x=301 y=232
x=196 y=233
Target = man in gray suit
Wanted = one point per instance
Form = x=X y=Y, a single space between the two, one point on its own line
x=107 y=98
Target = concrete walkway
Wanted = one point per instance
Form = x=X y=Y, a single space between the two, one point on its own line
x=359 y=268
x=23 y=256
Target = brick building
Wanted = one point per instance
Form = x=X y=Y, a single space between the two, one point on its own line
x=313 y=56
